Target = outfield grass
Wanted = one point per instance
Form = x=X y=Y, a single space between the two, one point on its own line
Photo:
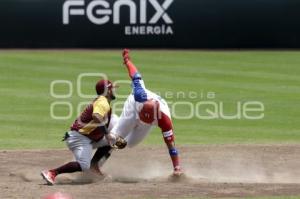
x=271 y=77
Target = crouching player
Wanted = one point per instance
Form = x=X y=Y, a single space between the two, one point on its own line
x=93 y=124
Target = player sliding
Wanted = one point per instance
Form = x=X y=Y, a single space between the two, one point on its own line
x=142 y=110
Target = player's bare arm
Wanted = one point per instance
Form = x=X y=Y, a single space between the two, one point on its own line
x=98 y=118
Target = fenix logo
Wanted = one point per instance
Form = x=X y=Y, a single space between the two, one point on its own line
x=100 y=12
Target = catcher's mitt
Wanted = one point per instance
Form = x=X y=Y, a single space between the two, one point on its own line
x=120 y=143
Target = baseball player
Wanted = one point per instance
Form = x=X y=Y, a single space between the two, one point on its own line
x=142 y=110
x=94 y=123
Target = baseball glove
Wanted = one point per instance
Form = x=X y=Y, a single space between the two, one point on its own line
x=120 y=143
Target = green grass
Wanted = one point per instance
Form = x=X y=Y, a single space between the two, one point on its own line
x=271 y=77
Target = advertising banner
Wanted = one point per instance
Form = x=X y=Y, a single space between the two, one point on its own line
x=150 y=23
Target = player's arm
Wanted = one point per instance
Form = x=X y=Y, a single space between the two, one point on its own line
x=99 y=120
x=139 y=92
x=166 y=126
x=132 y=70
x=100 y=110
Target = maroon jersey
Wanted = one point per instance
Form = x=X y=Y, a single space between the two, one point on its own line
x=85 y=124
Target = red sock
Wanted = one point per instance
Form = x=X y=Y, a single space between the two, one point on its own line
x=70 y=167
x=131 y=68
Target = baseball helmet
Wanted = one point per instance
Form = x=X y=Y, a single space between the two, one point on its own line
x=149 y=111
x=103 y=86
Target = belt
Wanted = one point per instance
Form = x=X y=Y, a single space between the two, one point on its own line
x=66 y=136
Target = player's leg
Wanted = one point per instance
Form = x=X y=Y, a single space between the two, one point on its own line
x=104 y=150
x=127 y=120
x=138 y=134
x=114 y=119
x=81 y=148
x=100 y=157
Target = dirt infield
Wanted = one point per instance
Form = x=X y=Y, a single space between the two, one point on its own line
x=143 y=172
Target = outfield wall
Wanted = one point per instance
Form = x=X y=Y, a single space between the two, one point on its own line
x=150 y=23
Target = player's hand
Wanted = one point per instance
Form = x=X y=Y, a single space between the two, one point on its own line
x=125 y=54
x=177 y=172
x=111 y=138
x=177 y=176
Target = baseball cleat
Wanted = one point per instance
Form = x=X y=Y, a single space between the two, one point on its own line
x=49 y=177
